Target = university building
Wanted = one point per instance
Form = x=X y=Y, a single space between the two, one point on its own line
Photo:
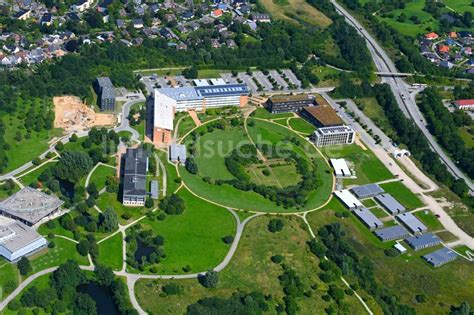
x=135 y=167
x=333 y=136
x=106 y=93
x=289 y=103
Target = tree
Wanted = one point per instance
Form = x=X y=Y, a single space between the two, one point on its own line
x=83 y=247
x=84 y=305
x=228 y=239
x=73 y=165
x=104 y=275
x=65 y=280
x=24 y=266
x=173 y=204
x=171 y=288
x=149 y=203
x=210 y=279
x=275 y=225
x=190 y=73
x=109 y=220
x=463 y=309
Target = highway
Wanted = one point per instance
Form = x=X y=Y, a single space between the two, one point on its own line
x=405 y=100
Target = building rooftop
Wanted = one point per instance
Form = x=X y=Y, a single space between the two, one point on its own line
x=392 y=233
x=200 y=92
x=368 y=218
x=177 y=152
x=390 y=203
x=154 y=189
x=440 y=257
x=16 y=235
x=411 y=222
x=30 y=205
x=340 y=167
x=163 y=111
x=134 y=178
x=284 y=98
x=423 y=240
x=325 y=114
x=334 y=130
x=348 y=199
x=104 y=82
x=367 y=190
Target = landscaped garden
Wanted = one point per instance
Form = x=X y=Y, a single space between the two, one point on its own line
x=290 y=174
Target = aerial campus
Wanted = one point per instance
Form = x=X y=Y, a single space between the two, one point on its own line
x=236 y=157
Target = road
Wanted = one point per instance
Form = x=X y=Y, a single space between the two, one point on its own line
x=405 y=100
x=125 y=123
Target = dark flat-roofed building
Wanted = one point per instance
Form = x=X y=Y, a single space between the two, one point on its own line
x=367 y=191
x=135 y=167
x=289 y=103
x=423 y=241
x=412 y=223
x=390 y=204
x=321 y=116
x=391 y=233
x=440 y=257
x=154 y=189
x=368 y=218
x=106 y=93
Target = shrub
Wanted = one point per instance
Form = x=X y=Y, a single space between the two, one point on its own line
x=172 y=289
x=275 y=225
x=277 y=259
x=228 y=239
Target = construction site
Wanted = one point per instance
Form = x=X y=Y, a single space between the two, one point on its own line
x=73 y=115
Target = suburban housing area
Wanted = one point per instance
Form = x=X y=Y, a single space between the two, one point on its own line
x=236 y=157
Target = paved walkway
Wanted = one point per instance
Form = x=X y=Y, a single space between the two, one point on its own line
x=194 y=116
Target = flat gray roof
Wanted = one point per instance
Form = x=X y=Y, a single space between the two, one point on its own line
x=368 y=218
x=15 y=236
x=30 y=205
x=154 y=189
x=390 y=203
x=392 y=233
x=367 y=190
x=440 y=257
x=427 y=239
x=177 y=152
x=200 y=92
x=412 y=223
x=104 y=82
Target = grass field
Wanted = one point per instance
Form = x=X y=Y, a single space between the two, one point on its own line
x=301 y=125
x=327 y=76
x=8 y=274
x=107 y=199
x=369 y=203
x=251 y=270
x=193 y=238
x=57 y=230
x=375 y=112
x=99 y=177
x=32 y=177
x=379 y=212
x=460 y=6
x=4 y=194
x=212 y=148
x=185 y=125
x=429 y=220
x=367 y=167
x=265 y=114
x=171 y=175
x=63 y=251
x=110 y=252
x=408 y=275
x=403 y=195
x=467 y=137
x=295 y=10
x=282 y=175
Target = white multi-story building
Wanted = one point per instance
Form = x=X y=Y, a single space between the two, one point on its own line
x=333 y=136
x=18 y=240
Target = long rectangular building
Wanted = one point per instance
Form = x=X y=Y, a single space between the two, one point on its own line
x=289 y=103
x=134 y=177
x=440 y=257
x=390 y=203
x=412 y=223
x=321 y=116
x=203 y=97
x=348 y=199
x=391 y=233
x=337 y=135
x=367 y=191
x=423 y=241
x=340 y=168
x=106 y=92
x=163 y=117
x=368 y=218
x=18 y=240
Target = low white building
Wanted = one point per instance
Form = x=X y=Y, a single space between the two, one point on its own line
x=348 y=199
x=18 y=240
x=400 y=248
x=340 y=168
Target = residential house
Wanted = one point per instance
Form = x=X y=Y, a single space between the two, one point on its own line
x=261 y=17
x=138 y=23
x=431 y=36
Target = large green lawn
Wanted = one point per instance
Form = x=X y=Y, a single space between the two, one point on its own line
x=100 y=174
x=25 y=150
x=301 y=125
x=403 y=195
x=185 y=125
x=265 y=114
x=368 y=168
x=252 y=270
x=51 y=257
x=212 y=148
x=107 y=199
x=407 y=275
x=227 y=195
x=8 y=274
x=110 y=252
x=193 y=238
x=171 y=175
x=429 y=220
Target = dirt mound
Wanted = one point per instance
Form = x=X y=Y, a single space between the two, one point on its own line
x=73 y=115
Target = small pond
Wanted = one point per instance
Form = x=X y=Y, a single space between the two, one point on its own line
x=102 y=296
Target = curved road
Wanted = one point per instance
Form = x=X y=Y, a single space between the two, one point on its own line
x=405 y=101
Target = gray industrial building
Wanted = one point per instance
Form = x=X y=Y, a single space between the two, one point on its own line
x=106 y=93
x=390 y=204
x=368 y=218
x=440 y=257
x=423 y=241
x=177 y=153
x=154 y=190
x=391 y=233
x=135 y=167
x=367 y=191
x=412 y=223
